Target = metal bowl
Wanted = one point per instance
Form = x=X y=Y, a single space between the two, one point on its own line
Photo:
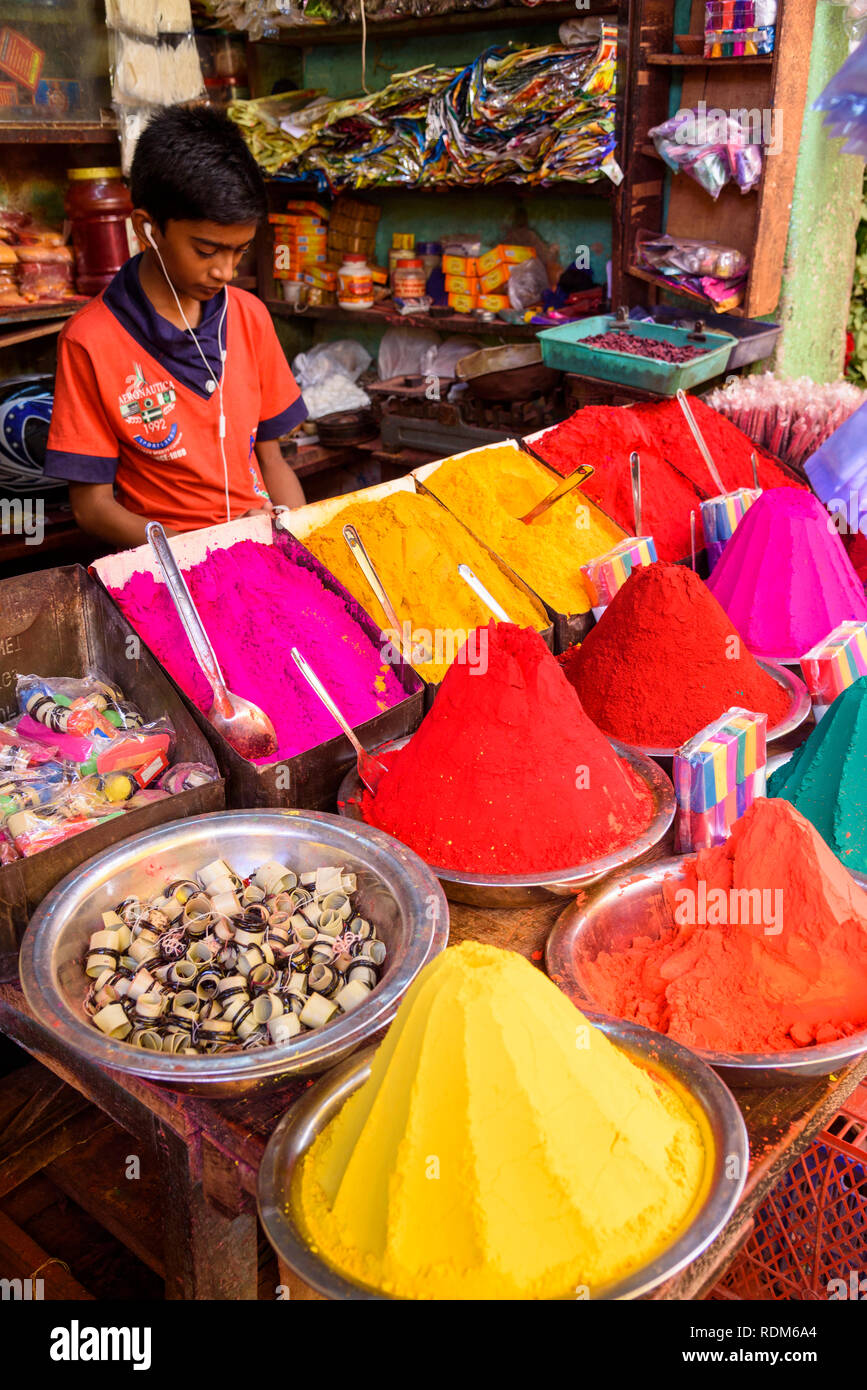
x=517 y=890
x=799 y=708
x=395 y=889
x=698 y=1087
x=633 y=904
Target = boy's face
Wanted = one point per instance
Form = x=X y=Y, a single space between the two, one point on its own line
x=200 y=257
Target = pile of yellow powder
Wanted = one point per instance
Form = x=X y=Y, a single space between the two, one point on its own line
x=416 y=547
x=490 y=489
x=502 y=1147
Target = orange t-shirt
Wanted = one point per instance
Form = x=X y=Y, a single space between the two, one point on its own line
x=134 y=404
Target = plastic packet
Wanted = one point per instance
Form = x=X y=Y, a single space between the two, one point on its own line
x=146 y=72
x=402 y=351
x=42 y=827
x=149 y=17
x=183 y=776
x=8 y=852
x=21 y=754
x=527 y=283
x=344 y=357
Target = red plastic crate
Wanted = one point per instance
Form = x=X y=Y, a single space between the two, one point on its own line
x=813 y=1226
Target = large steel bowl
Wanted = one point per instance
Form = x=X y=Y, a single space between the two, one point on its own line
x=799 y=708
x=696 y=1084
x=396 y=891
x=517 y=890
x=633 y=905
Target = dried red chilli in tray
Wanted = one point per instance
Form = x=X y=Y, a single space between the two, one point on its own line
x=631 y=344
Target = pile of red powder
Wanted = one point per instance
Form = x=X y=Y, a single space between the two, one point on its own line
x=784 y=968
x=664 y=661
x=507 y=775
x=674 y=477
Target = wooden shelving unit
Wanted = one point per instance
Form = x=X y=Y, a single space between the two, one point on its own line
x=388 y=317
x=595 y=188
x=459 y=21
x=696 y=60
x=58 y=132
x=756 y=224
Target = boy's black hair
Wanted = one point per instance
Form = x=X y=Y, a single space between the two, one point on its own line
x=191 y=163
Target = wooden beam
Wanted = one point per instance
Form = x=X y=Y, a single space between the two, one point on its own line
x=40 y=1119
x=22 y=1258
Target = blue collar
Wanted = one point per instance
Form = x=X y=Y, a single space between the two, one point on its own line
x=172 y=347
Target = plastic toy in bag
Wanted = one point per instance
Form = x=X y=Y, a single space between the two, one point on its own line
x=183 y=776
x=43 y=827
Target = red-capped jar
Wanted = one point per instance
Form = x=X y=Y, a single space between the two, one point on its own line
x=98 y=207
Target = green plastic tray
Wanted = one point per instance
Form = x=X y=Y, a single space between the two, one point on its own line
x=563 y=349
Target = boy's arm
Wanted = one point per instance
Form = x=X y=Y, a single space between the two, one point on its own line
x=97 y=513
x=278 y=476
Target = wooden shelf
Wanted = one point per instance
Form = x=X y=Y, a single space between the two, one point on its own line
x=40 y=311
x=695 y=60
x=662 y=283
x=509 y=17
x=390 y=318
x=597 y=188
x=756 y=226
x=57 y=132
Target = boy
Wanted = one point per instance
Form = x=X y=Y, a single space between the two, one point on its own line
x=172 y=388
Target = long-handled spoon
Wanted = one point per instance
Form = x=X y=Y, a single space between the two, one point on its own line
x=754 y=460
x=242 y=724
x=635 y=471
x=370 y=769
x=421 y=652
x=481 y=592
x=699 y=439
x=574 y=480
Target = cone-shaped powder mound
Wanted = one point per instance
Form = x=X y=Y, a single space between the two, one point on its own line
x=784 y=578
x=827 y=777
x=766 y=951
x=489 y=1156
x=507 y=775
x=664 y=660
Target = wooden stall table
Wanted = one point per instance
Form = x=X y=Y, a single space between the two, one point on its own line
x=208 y=1152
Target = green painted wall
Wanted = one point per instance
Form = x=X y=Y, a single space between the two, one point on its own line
x=820 y=254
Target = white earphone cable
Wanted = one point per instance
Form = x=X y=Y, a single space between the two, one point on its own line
x=221 y=344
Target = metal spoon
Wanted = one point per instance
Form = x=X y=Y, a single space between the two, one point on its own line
x=755 y=462
x=635 y=470
x=242 y=724
x=370 y=769
x=699 y=439
x=481 y=592
x=421 y=652
x=574 y=480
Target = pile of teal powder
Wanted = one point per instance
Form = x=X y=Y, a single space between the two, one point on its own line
x=826 y=779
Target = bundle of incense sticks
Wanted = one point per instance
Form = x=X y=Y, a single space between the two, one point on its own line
x=790 y=418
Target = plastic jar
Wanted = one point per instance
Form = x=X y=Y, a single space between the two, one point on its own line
x=409 y=279
x=354 y=283
x=402 y=248
x=431 y=253
x=98 y=207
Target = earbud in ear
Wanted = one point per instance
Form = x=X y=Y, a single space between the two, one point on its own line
x=148 y=231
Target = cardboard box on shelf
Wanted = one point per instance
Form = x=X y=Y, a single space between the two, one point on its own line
x=460 y=265
x=463 y=303
x=493 y=303
x=462 y=284
x=495 y=278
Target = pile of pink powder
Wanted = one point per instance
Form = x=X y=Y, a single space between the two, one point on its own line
x=256 y=603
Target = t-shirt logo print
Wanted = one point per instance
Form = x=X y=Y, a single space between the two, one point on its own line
x=146 y=403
